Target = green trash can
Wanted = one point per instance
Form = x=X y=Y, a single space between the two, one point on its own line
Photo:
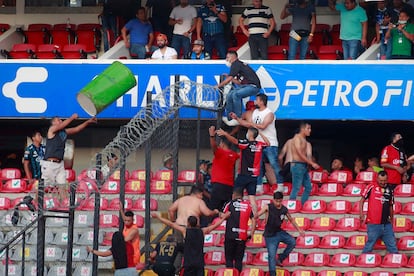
x=106 y=88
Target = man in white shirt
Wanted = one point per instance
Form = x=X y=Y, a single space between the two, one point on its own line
x=163 y=51
x=183 y=18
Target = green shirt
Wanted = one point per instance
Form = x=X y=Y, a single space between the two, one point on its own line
x=351 y=22
x=401 y=45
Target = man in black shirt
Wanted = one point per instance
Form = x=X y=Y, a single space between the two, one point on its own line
x=273 y=233
x=248 y=84
x=164 y=256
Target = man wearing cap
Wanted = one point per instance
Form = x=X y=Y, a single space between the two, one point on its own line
x=198 y=51
x=163 y=51
x=167 y=161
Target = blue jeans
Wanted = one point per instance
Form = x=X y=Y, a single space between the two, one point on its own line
x=108 y=23
x=351 y=48
x=270 y=154
x=130 y=271
x=300 y=176
x=137 y=51
x=217 y=41
x=380 y=231
x=272 y=243
x=293 y=48
x=386 y=48
x=181 y=41
x=235 y=96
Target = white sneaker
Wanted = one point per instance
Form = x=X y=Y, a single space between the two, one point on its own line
x=280 y=188
x=231 y=122
x=259 y=189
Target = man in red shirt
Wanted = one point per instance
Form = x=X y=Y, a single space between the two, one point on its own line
x=237 y=227
x=380 y=214
x=393 y=160
x=222 y=172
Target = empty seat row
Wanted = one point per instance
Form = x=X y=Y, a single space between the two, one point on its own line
x=46 y=51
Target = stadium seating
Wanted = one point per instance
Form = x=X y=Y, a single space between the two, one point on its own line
x=249 y=271
x=408 y=208
x=335 y=40
x=139 y=175
x=330 y=52
x=307 y=241
x=14 y=186
x=4 y=27
x=63 y=34
x=294 y=259
x=226 y=272
x=139 y=220
x=293 y=205
x=5 y=203
x=402 y=224
x=160 y=187
x=187 y=176
x=404 y=190
x=57 y=270
x=10 y=173
x=277 y=52
x=82 y=270
x=108 y=221
x=166 y=175
x=353 y=189
x=303 y=272
x=410 y=262
x=53 y=254
x=257 y=241
x=338 y=207
x=61 y=238
x=82 y=219
x=316 y=259
x=37 y=34
x=355 y=242
x=86 y=238
x=394 y=260
x=111 y=187
x=322 y=224
x=342 y=177
x=284 y=33
x=214 y=258
x=247 y=258
x=260 y=259
x=114 y=204
x=29 y=253
x=303 y=222
x=139 y=204
x=313 y=206
x=87 y=175
x=406 y=243
x=318 y=177
x=368 y=260
x=355 y=208
x=397 y=207
x=329 y=273
x=330 y=189
x=89 y=204
x=116 y=175
x=135 y=187
x=381 y=273
x=74 y=51
x=332 y=241
x=355 y=273
x=366 y=177
x=47 y=51
x=342 y=260
x=13 y=269
x=89 y=35
x=211 y=239
x=321 y=35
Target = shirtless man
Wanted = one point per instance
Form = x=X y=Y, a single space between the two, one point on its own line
x=190 y=205
x=300 y=162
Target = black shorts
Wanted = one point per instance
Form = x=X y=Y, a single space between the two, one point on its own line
x=247 y=182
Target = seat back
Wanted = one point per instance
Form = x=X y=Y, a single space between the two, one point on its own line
x=322 y=224
x=166 y=175
x=5 y=203
x=394 y=260
x=330 y=189
x=366 y=177
x=356 y=242
x=111 y=187
x=303 y=222
x=14 y=186
x=294 y=259
x=338 y=207
x=114 y=204
x=139 y=175
x=356 y=208
x=406 y=243
x=187 y=176
x=402 y=224
x=139 y=221
x=4 y=27
x=343 y=260
x=10 y=173
x=160 y=187
x=353 y=189
x=408 y=208
x=277 y=52
x=139 y=204
x=368 y=260
x=404 y=190
x=249 y=271
x=332 y=241
x=307 y=241
x=293 y=205
x=108 y=221
x=256 y=241
x=329 y=273
x=343 y=177
x=261 y=258
x=135 y=187
x=74 y=51
x=303 y=272
x=116 y=175
x=226 y=272
x=318 y=177
x=214 y=258
x=284 y=33
x=316 y=259
x=314 y=206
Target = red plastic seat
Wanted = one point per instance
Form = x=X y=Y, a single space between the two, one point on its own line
x=316 y=259
x=406 y=243
x=110 y=187
x=249 y=271
x=303 y=222
x=313 y=206
x=335 y=34
x=368 y=260
x=381 y=273
x=394 y=260
x=70 y=175
x=257 y=241
x=139 y=204
x=48 y=51
x=226 y=272
x=211 y=239
x=330 y=52
x=38 y=33
x=338 y=207
x=260 y=259
x=166 y=175
x=160 y=187
x=321 y=35
x=342 y=260
x=214 y=258
x=5 y=203
x=397 y=207
x=407 y=209
x=402 y=224
x=307 y=241
x=318 y=177
x=139 y=221
x=314 y=190
x=247 y=257
x=332 y=241
x=303 y=272
x=284 y=33
x=277 y=52
x=356 y=242
x=117 y=176
x=293 y=205
x=74 y=51
x=135 y=187
x=51 y=203
x=89 y=204
x=4 y=27
x=330 y=189
x=294 y=259
x=404 y=190
x=90 y=36
x=139 y=175
x=108 y=221
x=114 y=204
x=329 y=273
x=86 y=187
x=14 y=186
x=347 y=224
x=353 y=189
x=187 y=176
x=410 y=262
x=10 y=173
x=366 y=177
x=355 y=273
x=355 y=208
x=322 y=224
x=87 y=175
x=342 y=177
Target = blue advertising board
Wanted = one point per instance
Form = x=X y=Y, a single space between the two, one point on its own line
x=338 y=91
